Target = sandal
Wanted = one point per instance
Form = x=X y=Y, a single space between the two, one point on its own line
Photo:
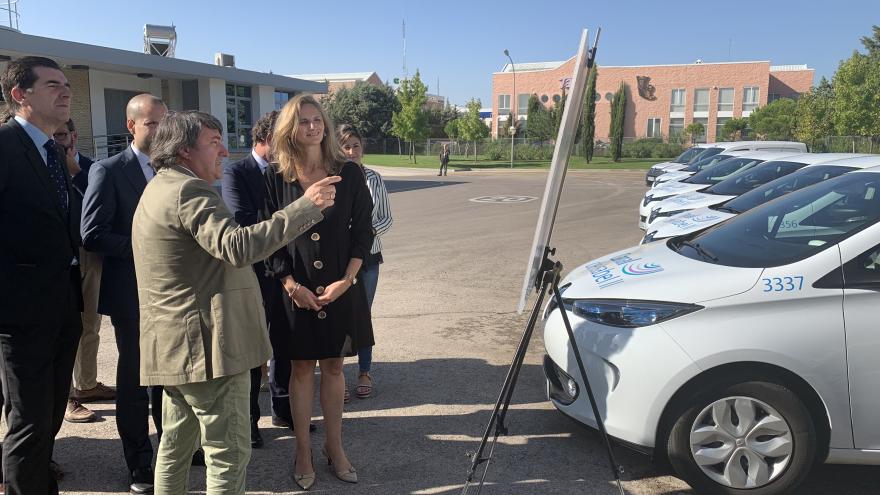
x=364 y=391
x=347 y=397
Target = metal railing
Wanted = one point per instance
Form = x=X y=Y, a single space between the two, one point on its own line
x=109 y=145
x=9 y=17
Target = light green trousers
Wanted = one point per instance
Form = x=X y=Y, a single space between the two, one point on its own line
x=219 y=410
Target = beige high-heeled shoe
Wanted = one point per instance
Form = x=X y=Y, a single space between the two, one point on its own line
x=348 y=476
x=304 y=481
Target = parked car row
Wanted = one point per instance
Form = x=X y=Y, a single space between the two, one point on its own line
x=743 y=349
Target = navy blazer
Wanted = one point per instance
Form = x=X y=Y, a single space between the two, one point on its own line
x=39 y=241
x=115 y=187
x=81 y=180
x=244 y=190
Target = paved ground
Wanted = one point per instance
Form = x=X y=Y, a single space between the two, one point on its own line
x=446 y=329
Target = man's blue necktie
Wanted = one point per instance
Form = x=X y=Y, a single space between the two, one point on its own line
x=56 y=173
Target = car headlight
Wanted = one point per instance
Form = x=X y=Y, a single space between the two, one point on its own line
x=628 y=313
x=656 y=213
x=646 y=201
x=649 y=237
x=553 y=304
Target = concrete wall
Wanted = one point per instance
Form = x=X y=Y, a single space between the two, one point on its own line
x=664 y=78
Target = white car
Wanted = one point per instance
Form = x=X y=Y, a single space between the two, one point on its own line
x=744 y=354
x=721 y=209
x=686 y=157
x=728 y=148
x=708 y=176
x=738 y=183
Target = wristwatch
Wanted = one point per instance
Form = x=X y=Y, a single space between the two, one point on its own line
x=353 y=280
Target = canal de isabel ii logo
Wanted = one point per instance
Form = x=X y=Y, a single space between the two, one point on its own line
x=641 y=268
x=646 y=89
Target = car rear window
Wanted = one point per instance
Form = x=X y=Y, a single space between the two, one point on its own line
x=784 y=185
x=722 y=170
x=756 y=176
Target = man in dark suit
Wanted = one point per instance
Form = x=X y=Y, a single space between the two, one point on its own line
x=244 y=192
x=86 y=387
x=40 y=298
x=114 y=189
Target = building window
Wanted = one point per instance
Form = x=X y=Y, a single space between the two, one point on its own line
x=522 y=103
x=771 y=97
x=239 y=116
x=556 y=98
x=701 y=100
x=503 y=104
x=545 y=98
x=676 y=126
x=725 y=99
x=719 y=126
x=750 y=98
x=653 y=128
x=281 y=99
x=678 y=99
x=609 y=96
x=702 y=137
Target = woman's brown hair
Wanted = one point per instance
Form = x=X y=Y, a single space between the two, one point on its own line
x=284 y=147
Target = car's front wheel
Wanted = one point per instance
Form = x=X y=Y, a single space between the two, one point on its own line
x=754 y=437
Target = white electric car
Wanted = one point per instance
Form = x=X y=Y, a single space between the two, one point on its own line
x=707 y=216
x=686 y=157
x=744 y=354
x=708 y=176
x=673 y=172
x=738 y=183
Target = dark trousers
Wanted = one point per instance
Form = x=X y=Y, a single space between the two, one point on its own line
x=279 y=380
x=132 y=399
x=256 y=381
x=36 y=365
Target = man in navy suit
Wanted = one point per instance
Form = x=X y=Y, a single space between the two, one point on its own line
x=40 y=298
x=114 y=188
x=244 y=191
x=86 y=387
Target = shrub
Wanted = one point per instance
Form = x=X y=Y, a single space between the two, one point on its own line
x=650 y=148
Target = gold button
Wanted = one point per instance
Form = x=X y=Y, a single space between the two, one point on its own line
x=316 y=236
x=318 y=264
x=322 y=315
x=319 y=290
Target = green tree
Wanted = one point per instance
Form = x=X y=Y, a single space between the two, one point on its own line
x=451 y=129
x=695 y=130
x=411 y=123
x=367 y=107
x=538 y=120
x=774 y=121
x=471 y=127
x=814 y=116
x=733 y=129
x=512 y=121
x=588 y=125
x=438 y=118
x=618 y=116
x=857 y=96
x=558 y=110
x=872 y=43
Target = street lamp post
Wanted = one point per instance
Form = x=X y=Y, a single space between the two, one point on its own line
x=512 y=126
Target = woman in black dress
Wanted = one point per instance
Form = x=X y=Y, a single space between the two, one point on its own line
x=325 y=309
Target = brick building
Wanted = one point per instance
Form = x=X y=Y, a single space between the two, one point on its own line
x=340 y=80
x=103 y=79
x=662 y=99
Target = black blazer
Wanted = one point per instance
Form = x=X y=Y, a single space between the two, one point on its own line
x=81 y=180
x=244 y=190
x=37 y=243
x=115 y=187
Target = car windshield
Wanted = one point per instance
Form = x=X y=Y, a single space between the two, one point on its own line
x=791 y=228
x=722 y=170
x=702 y=163
x=688 y=155
x=783 y=185
x=706 y=153
x=754 y=177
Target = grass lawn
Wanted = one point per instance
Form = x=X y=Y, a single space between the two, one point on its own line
x=576 y=163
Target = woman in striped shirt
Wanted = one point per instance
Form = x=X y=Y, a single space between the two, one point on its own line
x=352 y=146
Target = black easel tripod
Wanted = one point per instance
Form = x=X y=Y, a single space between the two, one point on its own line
x=547 y=280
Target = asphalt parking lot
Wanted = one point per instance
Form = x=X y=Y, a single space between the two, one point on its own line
x=446 y=329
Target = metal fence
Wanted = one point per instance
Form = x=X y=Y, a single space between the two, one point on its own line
x=106 y=146
x=846 y=144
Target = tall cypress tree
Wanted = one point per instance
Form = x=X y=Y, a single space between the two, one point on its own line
x=588 y=125
x=618 y=114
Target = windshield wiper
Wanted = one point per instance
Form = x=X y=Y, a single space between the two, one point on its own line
x=700 y=250
x=727 y=209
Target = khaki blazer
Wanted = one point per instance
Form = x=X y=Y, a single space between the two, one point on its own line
x=201 y=312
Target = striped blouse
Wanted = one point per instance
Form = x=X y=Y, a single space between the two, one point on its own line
x=381 y=208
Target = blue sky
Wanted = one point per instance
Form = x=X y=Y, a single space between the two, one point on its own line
x=462 y=42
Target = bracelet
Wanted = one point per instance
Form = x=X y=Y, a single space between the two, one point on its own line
x=294 y=290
